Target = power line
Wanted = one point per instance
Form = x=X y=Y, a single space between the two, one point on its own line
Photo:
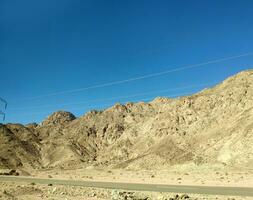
x=186 y=67
x=117 y=97
x=145 y=99
x=104 y=105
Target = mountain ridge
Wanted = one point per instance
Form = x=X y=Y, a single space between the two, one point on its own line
x=211 y=127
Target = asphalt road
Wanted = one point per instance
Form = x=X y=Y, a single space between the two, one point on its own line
x=209 y=190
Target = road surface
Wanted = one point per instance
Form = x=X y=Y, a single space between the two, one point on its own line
x=208 y=190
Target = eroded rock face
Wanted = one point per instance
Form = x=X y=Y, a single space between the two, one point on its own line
x=214 y=126
x=59 y=117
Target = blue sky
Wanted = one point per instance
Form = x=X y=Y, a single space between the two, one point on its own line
x=52 y=46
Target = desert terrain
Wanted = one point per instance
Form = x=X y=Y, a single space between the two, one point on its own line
x=203 y=139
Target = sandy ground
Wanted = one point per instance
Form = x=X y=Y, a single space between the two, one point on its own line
x=25 y=191
x=199 y=176
x=182 y=177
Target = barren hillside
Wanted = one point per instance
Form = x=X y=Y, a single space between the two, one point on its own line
x=213 y=127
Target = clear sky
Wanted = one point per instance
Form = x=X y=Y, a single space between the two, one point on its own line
x=53 y=46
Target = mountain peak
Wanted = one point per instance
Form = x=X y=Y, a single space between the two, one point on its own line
x=59 y=117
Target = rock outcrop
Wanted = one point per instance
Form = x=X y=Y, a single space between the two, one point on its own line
x=212 y=127
x=60 y=117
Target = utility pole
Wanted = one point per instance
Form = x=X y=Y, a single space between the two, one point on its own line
x=5 y=107
x=3 y=113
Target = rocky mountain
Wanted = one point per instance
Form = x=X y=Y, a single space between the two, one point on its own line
x=212 y=127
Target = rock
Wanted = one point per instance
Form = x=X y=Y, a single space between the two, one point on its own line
x=12 y=172
x=54 y=190
x=59 y=117
x=180 y=197
x=184 y=196
x=162 y=133
x=32 y=125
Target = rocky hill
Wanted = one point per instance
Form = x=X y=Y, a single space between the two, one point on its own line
x=212 y=127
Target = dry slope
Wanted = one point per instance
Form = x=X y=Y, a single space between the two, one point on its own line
x=213 y=127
